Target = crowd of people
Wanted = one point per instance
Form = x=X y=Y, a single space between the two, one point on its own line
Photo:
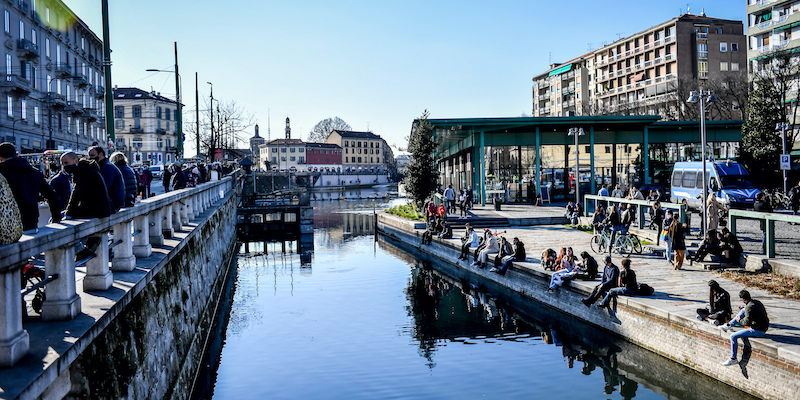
x=95 y=186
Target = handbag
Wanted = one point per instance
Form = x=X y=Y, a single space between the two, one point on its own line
x=664 y=235
x=10 y=217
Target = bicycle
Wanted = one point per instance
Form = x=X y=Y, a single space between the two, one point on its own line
x=637 y=244
x=32 y=282
x=600 y=242
x=778 y=199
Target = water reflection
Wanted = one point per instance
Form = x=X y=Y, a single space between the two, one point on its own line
x=446 y=309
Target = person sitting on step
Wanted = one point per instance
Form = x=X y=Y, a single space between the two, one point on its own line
x=519 y=255
x=505 y=250
x=587 y=267
x=718 y=311
x=566 y=269
x=730 y=246
x=491 y=247
x=627 y=284
x=753 y=317
x=710 y=245
x=469 y=241
x=610 y=278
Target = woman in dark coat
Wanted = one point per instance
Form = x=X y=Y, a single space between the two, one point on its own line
x=128 y=176
x=677 y=231
x=89 y=197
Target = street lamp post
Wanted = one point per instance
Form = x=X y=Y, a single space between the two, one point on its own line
x=577 y=132
x=179 y=112
x=704 y=97
x=211 y=106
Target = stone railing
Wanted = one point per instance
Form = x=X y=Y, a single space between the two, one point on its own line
x=135 y=231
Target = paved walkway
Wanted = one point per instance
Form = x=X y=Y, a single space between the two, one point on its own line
x=677 y=292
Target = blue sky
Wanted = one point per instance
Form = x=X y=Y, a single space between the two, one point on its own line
x=376 y=64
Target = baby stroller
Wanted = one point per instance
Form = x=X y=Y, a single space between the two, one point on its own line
x=549 y=259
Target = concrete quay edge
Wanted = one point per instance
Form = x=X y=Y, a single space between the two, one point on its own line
x=529 y=279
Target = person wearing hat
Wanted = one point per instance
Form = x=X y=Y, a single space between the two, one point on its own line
x=610 y=278
x=718 y=311
x=753 y=317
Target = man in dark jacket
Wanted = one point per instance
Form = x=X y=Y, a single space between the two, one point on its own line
x=89 y=194
x=610 y=280
x=753 y=317
x=179 y=178
x=762 y=205
x=519 y=255
x=26 y=184
x=128 y=176
x=62 y=185
x=115 y=184
x=166 y=178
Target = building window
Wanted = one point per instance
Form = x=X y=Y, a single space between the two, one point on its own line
x=723 y=66
x=734 y=46
x=359 y=159
x=274 y=149
x=10 y=106
x=292 y=150
x=158 y=113
x=23 y=105
x=8 y=66
x=22 y=29
x=137 y=112
x=723 y=47
x=36 y=114
x=137 y=123
x=292 y=158
x=119 y=111
x=702 y=69
x=702 y=50
x=168 y=110
x=734 y=66
x=119 y=124
x=7 y=19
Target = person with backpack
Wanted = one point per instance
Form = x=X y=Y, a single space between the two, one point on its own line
x=627 y=284
x=519 y=255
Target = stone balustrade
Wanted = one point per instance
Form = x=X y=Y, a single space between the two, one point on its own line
x=136 y=231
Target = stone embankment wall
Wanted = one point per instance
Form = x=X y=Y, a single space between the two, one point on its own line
x=152 y=349
x=638 y=320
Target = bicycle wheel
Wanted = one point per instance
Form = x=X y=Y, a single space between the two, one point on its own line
x=637 y=244
x=597 y=243
x=625 y=246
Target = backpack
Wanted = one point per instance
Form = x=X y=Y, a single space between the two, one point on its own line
x=645 y=290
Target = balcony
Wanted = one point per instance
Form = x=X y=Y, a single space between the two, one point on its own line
x=17 y=84
x=63 y=70
x=80 y=81
x=27 y=49
x=702 y=35
x=137 y=130
x=172 y=149
x=90 y=114
x=100 y=92
x=161 y=131
x=57 y=100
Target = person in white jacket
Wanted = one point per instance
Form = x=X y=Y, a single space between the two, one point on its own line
x=491 y=247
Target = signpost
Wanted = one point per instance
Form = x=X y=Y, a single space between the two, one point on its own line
x=786 y=163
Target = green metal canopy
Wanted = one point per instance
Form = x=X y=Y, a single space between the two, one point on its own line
x=560 y=70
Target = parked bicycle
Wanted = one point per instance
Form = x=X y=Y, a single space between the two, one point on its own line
x=778 y=199
x=33 y=281
x=623 y=245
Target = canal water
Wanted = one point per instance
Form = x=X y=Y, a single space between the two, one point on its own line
x=367 y=320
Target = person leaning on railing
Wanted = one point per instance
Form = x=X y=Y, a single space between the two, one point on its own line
x=89 y=197
x=27 y=183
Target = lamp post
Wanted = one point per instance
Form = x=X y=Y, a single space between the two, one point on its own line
x=577 y=132
x=179 y=112
x=703 y=97
x=211 y=106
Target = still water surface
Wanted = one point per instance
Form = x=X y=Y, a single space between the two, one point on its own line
x=366 y=320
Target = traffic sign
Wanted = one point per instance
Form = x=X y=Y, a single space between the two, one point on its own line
x=786 y=163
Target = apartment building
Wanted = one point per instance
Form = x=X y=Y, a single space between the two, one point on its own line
x=146 y=126
x=361 y=149
x=648 y=72
x=323 y=157
x=284 y=154
x=54 y=85
x=772 y=26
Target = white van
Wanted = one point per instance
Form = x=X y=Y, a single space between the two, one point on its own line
x=157 y=171
x=729 y=180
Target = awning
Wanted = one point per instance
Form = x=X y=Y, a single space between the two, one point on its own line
x=560 y=70
x=787 y=26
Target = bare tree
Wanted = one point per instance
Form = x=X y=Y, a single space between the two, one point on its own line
x=229 y=130
x=324 y=128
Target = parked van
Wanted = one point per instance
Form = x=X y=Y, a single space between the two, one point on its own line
x=729 y=180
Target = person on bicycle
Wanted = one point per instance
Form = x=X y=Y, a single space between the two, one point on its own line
x=599 y=217
x=613 y=219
